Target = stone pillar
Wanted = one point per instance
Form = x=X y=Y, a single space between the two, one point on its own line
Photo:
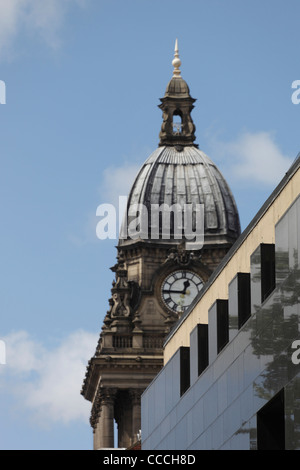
x=124 y=421
x=105 y=428
x=135 y=396
x=94 y=420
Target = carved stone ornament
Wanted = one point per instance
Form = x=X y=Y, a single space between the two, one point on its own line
x=104 y=396
x=121 y=293
x=183 y=257
x=135 y=395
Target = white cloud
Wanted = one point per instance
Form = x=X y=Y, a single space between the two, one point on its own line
x=116 y=181
x=47 y=382
x=24 y=354
x=122 y=178
x=252 y=158
x=42 y=17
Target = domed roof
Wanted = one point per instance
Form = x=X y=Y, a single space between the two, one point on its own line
x=178 y=173
x=177 y=87
x=185 y=175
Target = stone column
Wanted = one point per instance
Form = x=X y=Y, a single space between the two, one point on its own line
x=106 y=420
x=94 y=420
x=124 y=421
x=135 y=396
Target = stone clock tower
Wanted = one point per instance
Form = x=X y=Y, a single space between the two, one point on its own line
x=156 y=277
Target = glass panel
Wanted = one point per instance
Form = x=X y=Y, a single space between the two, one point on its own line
x=270 y=425
x=184 y=369
x=222 y=324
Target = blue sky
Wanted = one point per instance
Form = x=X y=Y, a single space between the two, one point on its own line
x=83 y=81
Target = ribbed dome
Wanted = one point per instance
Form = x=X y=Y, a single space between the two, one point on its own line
x=179 y=173
x=177 y=87
x=185 y=175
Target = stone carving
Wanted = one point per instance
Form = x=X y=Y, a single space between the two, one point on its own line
x=121 y=290
x=104 y=396
x=181 y=256
x=124 y=295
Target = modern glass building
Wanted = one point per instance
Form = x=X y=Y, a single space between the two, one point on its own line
x=231 y=374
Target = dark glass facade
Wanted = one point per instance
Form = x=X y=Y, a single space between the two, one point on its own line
x=244 y=372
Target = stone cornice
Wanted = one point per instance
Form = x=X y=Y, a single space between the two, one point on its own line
x=124 y=364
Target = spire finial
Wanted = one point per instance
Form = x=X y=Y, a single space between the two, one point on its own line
x=176 y=61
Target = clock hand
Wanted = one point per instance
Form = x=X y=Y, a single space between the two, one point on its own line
x=183 y=291
x=186 y=285
x=173 y=291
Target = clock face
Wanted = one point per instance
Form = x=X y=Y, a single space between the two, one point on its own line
x=179 y=290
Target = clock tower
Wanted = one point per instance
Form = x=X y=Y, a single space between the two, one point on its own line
x=159 y=271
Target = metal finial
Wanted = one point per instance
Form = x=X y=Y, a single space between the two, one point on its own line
x=176 y=61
